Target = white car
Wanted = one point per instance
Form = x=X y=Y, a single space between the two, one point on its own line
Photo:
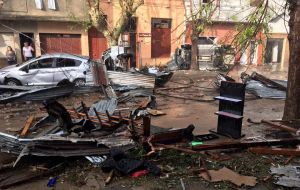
x=48 y=69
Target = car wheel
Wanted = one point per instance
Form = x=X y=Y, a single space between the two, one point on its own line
x=13 y=82
x=79 y=82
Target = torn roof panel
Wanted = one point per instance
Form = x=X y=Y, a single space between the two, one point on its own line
x=131 y=79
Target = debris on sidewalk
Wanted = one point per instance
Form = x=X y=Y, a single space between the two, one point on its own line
x=263 y=87
x=264 y=80
x=123 y=131
x=222 y=77
x=275 y=151
x=120 y=162
x=246 y=144
x=280 y=126
x=226 y=174
x=288 y=176
x=130 y=81
x=23 y=94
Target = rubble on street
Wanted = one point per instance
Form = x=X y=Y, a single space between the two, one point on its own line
x=119 y=132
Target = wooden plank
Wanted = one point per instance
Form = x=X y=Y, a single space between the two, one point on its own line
x=245 y=144
x=146 y=126
x=280 y=126
x=275 y=151
x=27 y=125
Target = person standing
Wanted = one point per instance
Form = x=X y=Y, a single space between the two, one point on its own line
x=11 y=56
x=27 y=51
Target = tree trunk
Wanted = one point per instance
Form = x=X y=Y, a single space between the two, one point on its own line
x=194 y=64
x=112 y=41
x=292 y=103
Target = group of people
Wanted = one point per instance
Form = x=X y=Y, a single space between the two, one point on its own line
x=27 y=53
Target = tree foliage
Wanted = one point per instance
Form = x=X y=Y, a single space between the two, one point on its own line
x=201 y=18
x=254 y=24
x=98 y=19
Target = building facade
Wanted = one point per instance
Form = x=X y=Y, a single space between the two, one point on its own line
x=230 y=13
x=46 y=24
x=157 y=29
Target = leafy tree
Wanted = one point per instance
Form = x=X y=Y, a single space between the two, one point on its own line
x=254 y=27
x=98 y=19
x=199 y=20
x=258 y=21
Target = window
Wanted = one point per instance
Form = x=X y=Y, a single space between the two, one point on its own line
x=125 y=40
x=274 y=52
x=34 y=65
x=46 y=63
x=65 y=62
x=161 y=23
x=42 y=64
x=206 y=40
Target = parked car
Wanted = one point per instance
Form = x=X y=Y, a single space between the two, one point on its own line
x=48 y=69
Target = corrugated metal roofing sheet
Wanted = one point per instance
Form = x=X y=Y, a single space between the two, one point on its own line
x=131 y=79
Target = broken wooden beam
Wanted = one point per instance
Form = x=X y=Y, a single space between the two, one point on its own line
x=146 y=126
x=172 y=135
x=108 y=116
x=85 y=110
x=173 y=147
x=27 y=125
x=98 y=117
x=280 y=126
x=245 y=144
x=275 y=151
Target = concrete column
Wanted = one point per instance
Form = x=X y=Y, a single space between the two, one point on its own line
x=85 y=43
x=18 y=47
x=37 y=43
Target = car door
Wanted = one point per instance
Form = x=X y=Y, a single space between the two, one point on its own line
x=40 y=72
x=67 y=68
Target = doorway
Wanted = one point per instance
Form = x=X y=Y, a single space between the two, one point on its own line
x=97 y=43
x=274 y=50
x=160 y=38
x=26 y=37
